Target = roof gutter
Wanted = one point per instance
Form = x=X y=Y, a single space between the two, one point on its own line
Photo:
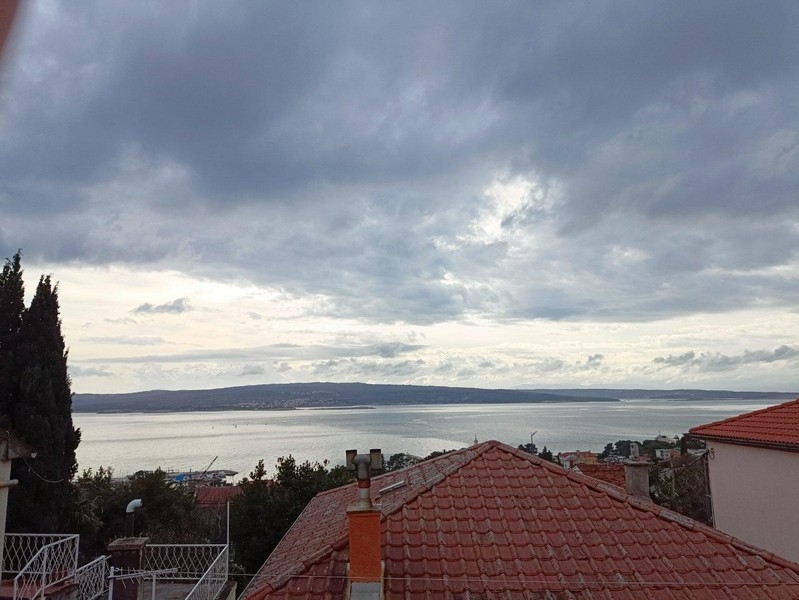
x=782 y=446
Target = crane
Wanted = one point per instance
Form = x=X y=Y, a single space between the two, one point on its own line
x=209 y=466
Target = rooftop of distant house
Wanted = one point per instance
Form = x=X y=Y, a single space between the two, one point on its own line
x=491 y=521
x=610 y=472
x=773 y=426
x=216 y=495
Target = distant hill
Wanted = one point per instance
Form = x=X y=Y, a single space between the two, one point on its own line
x=312 y=395
x=335 y=395
x=680 y=394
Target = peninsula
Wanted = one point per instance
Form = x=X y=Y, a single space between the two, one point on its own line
x=337 y=395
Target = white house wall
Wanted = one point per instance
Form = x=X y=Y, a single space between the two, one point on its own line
x=755 y=495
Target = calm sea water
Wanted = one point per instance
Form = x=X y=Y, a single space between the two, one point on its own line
x=190 y=440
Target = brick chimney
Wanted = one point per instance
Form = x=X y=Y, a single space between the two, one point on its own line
x=363 y=519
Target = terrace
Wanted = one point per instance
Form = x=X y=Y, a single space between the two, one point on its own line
x=46 y=566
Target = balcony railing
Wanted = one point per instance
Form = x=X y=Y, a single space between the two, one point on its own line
x=204 y=567
x=39 y=561
x=213 y=580
x=42 y=560
x=92 y=579
x=188 y=562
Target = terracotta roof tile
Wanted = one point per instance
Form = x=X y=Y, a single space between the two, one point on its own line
x=777 y=424
x=613 y=473
x=496 y=523
x=216 y=495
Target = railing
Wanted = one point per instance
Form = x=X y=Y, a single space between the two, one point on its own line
x=20 y=548
x=189 y=561
x=52 y=563
x=92 y=579
x=212 y=580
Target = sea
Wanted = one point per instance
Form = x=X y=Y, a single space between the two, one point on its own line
x=236 y=440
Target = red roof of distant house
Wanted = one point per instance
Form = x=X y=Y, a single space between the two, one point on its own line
x=492 y=522
x=773 y=425
x=610 y=472
x=216 y=495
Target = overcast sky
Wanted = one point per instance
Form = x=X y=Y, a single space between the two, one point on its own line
x=498 y=194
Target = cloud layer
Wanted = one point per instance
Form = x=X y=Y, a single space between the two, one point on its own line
x=415 y=164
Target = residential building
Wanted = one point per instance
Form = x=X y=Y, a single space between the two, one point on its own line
x=667 y=453
x=578 y=457
x=493 y=522
x=753 y=461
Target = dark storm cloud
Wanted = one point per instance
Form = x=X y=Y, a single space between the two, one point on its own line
x=177 y=306
x=348 y=148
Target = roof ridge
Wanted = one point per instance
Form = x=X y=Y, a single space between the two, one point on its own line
x=440 y=468
x=427 y=485
x=342 y=541
x=745 y=415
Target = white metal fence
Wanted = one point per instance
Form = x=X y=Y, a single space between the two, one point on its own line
x=189 y=561
x=213 y=580
x=19 y=548
x=42 y=560
x=92 y=579
x=39 y=561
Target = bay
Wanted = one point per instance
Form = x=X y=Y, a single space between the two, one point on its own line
x=190 y=440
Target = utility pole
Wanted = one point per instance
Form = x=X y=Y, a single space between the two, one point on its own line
x=531 y=437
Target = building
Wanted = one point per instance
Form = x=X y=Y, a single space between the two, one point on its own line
x=494 y=522
x=753 y=461
x=578 y=457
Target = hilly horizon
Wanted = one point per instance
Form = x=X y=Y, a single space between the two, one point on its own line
x=338 y=395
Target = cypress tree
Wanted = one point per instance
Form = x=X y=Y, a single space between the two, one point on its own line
x=12 y=307
x=42 y=416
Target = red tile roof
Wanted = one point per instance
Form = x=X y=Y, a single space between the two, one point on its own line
x=216 y=495
x=494 y=522
x=773 y=425
x=610 y=472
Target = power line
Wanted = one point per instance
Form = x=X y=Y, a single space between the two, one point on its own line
x=32 y=470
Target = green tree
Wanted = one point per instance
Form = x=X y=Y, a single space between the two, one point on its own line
x=12 y=309
x=168 y=513
x=265 y=509
x=400 y=460
x=546 y=455
x=42 y=416
x=530 y=448
x=437 y=453
x=606 y=452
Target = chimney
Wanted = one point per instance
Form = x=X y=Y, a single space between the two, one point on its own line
x=636 y=478
x=363 y=519
x=635 y=452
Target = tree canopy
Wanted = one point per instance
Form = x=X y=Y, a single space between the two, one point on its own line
x=168 y=513
x=36 y=402
x=266 y=508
